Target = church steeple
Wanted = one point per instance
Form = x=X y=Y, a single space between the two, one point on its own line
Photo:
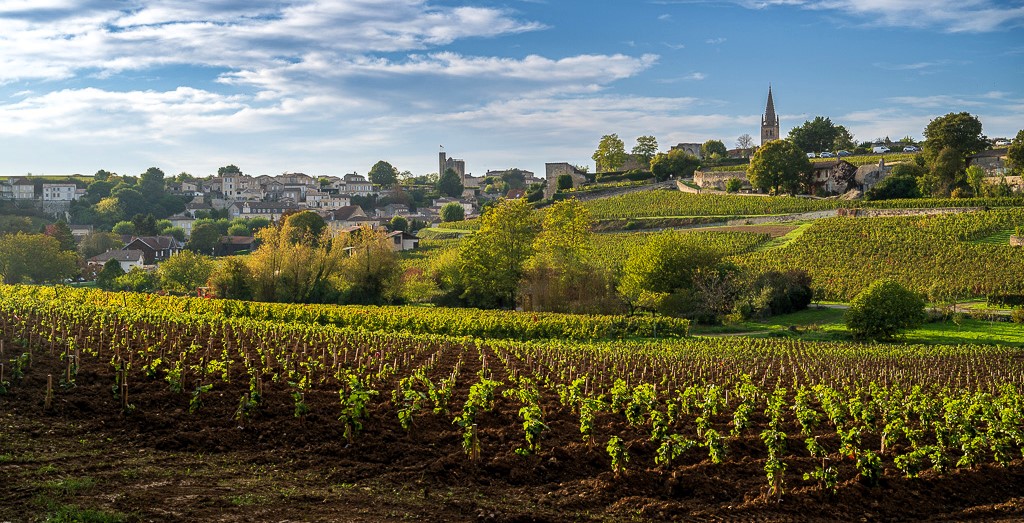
x=769 y=121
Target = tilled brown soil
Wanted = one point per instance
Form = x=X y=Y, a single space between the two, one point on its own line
x=161 y=463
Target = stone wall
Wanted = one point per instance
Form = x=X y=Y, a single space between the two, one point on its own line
x=873 y=213
x=718 y=179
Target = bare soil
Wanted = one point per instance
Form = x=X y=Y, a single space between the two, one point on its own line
x=162 y=463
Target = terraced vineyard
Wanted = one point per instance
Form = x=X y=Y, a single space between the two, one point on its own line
x=928 y=254
x=389 y=424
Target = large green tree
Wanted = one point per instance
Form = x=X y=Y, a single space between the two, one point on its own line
x=960 y=132
x=35 y=258
x=713 y=149
x=450 y=184
x=184 y=271
x=610 y=154
x=452 y=212
x=204 y=238
x=660 y=269
x=645 y=149
x=1015 y=153
x=676 y=162
x=820 y=134
x=778 y=166
x=384 y=174
x=493 y=258
x=883 y=310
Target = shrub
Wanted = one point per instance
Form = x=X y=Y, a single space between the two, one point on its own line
x=452 y=212
x=1017 y=315
x=883 y=310
x=733 y=185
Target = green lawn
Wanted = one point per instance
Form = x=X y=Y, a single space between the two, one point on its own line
x=826 y=324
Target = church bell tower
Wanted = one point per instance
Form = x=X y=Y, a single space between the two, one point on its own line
x=769 y=121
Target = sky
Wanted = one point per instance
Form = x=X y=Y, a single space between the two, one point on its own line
x=328 y=87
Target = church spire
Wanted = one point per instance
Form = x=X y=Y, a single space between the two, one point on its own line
x=769 y=121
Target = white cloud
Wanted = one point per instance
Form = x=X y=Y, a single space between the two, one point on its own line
x=973 y=16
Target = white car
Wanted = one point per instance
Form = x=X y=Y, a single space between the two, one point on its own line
x=880 y=149
x=810 y=155
x=826 y=154
x=911 y=149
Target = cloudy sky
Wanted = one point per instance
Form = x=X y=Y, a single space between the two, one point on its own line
x=332 y=86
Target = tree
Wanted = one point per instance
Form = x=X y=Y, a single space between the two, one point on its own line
x=62 y=233
x=230 y=280
x=184 y=271
x=204 y=238
x=151 y=183
x=883 y=310
x=817 y=135
x=290 y=266
x=453 y=212
x=493 y=258
x=97 y=242
x=514 y=179
x=645 y=149
x=450 y=184
x=1015 y=153
x=371 y=274
x=660 y=268
x=399 y=223
x=610 y=154
x=229 y=170
x=746 y=143
x=384 y=174
x=778 y=166
x=136 y=280
x=305 y=226
x=713 y=147
x=733 y=185
x=960 y=132
x=34 y=258
x=111 y=271
x=844 y=140
x=676 y=162
x=564 y=182
x=145 y=225
x=895 y=186
x=947 y=170
x=976 y=179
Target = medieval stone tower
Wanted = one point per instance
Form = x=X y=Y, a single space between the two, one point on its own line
x=769 y=121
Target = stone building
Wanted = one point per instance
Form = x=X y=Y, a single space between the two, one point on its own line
x=769 y=121
x=553 y=170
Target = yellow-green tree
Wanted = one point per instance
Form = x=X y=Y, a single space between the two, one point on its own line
x=494 y=258
x=286 y=270
x=184 y=272
x=35 y=258
x=370 y=272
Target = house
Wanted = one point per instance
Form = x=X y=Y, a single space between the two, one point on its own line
x=127 y=258
x=553 y=170
x=334 y=202
x=393 y=209
x=155 y=248
x=22 y=189
x=80 y=231
x=233 y=245
x=717 y=180
x=269 y=210
x=350 y=216
x=184 y=221
x=833 y=177
x=403 y=241
x=868 y=176
x=357 y=184
x=59 y=192
x=515 y=194
x=993 y=161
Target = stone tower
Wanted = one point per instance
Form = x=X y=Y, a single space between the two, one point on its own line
x=769 y=122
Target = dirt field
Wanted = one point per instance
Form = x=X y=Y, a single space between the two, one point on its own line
x=84 y=461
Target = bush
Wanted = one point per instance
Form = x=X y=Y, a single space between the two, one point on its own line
x=733 y=185
x=883 y=310
x=1017 y=315
x=452 y=212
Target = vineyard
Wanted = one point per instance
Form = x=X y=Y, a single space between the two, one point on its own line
x=398 y=422
x=933 y=254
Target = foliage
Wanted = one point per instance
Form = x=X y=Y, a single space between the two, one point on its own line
x=36 y=258
x=136 y=280
x=778 y=166
x=645 y=149
x=453 y=212
x=565 y=182
x=111 y=271
x=946 y=170
x=399 y=223
x=493 y=259
x=676 y=163
x=1015 y=153
x=370 y=273
x=610 y=154
x=893 y=187
x=62 y=233
x=184 y=271
x=820 y=135
x=231 y=280
x=711 y=148
x=733 y=185
x=960 y=132
x=661 y=269
x=450 y=184
x=204 y=238
x=883 y=310
x=305 y=227
x=383 y=173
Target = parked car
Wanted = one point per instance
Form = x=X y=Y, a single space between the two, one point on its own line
x=845 y=153
x=1000 y=143
x=810 y=155
x=826 y=154
x=911 y=149
x=879 y=149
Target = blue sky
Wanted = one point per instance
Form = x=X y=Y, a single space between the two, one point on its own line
x=330 y=87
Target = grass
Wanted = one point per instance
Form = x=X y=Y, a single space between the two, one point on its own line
x=826 y=324
x=787 y=238
x=58 y=513
x=999 y=238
